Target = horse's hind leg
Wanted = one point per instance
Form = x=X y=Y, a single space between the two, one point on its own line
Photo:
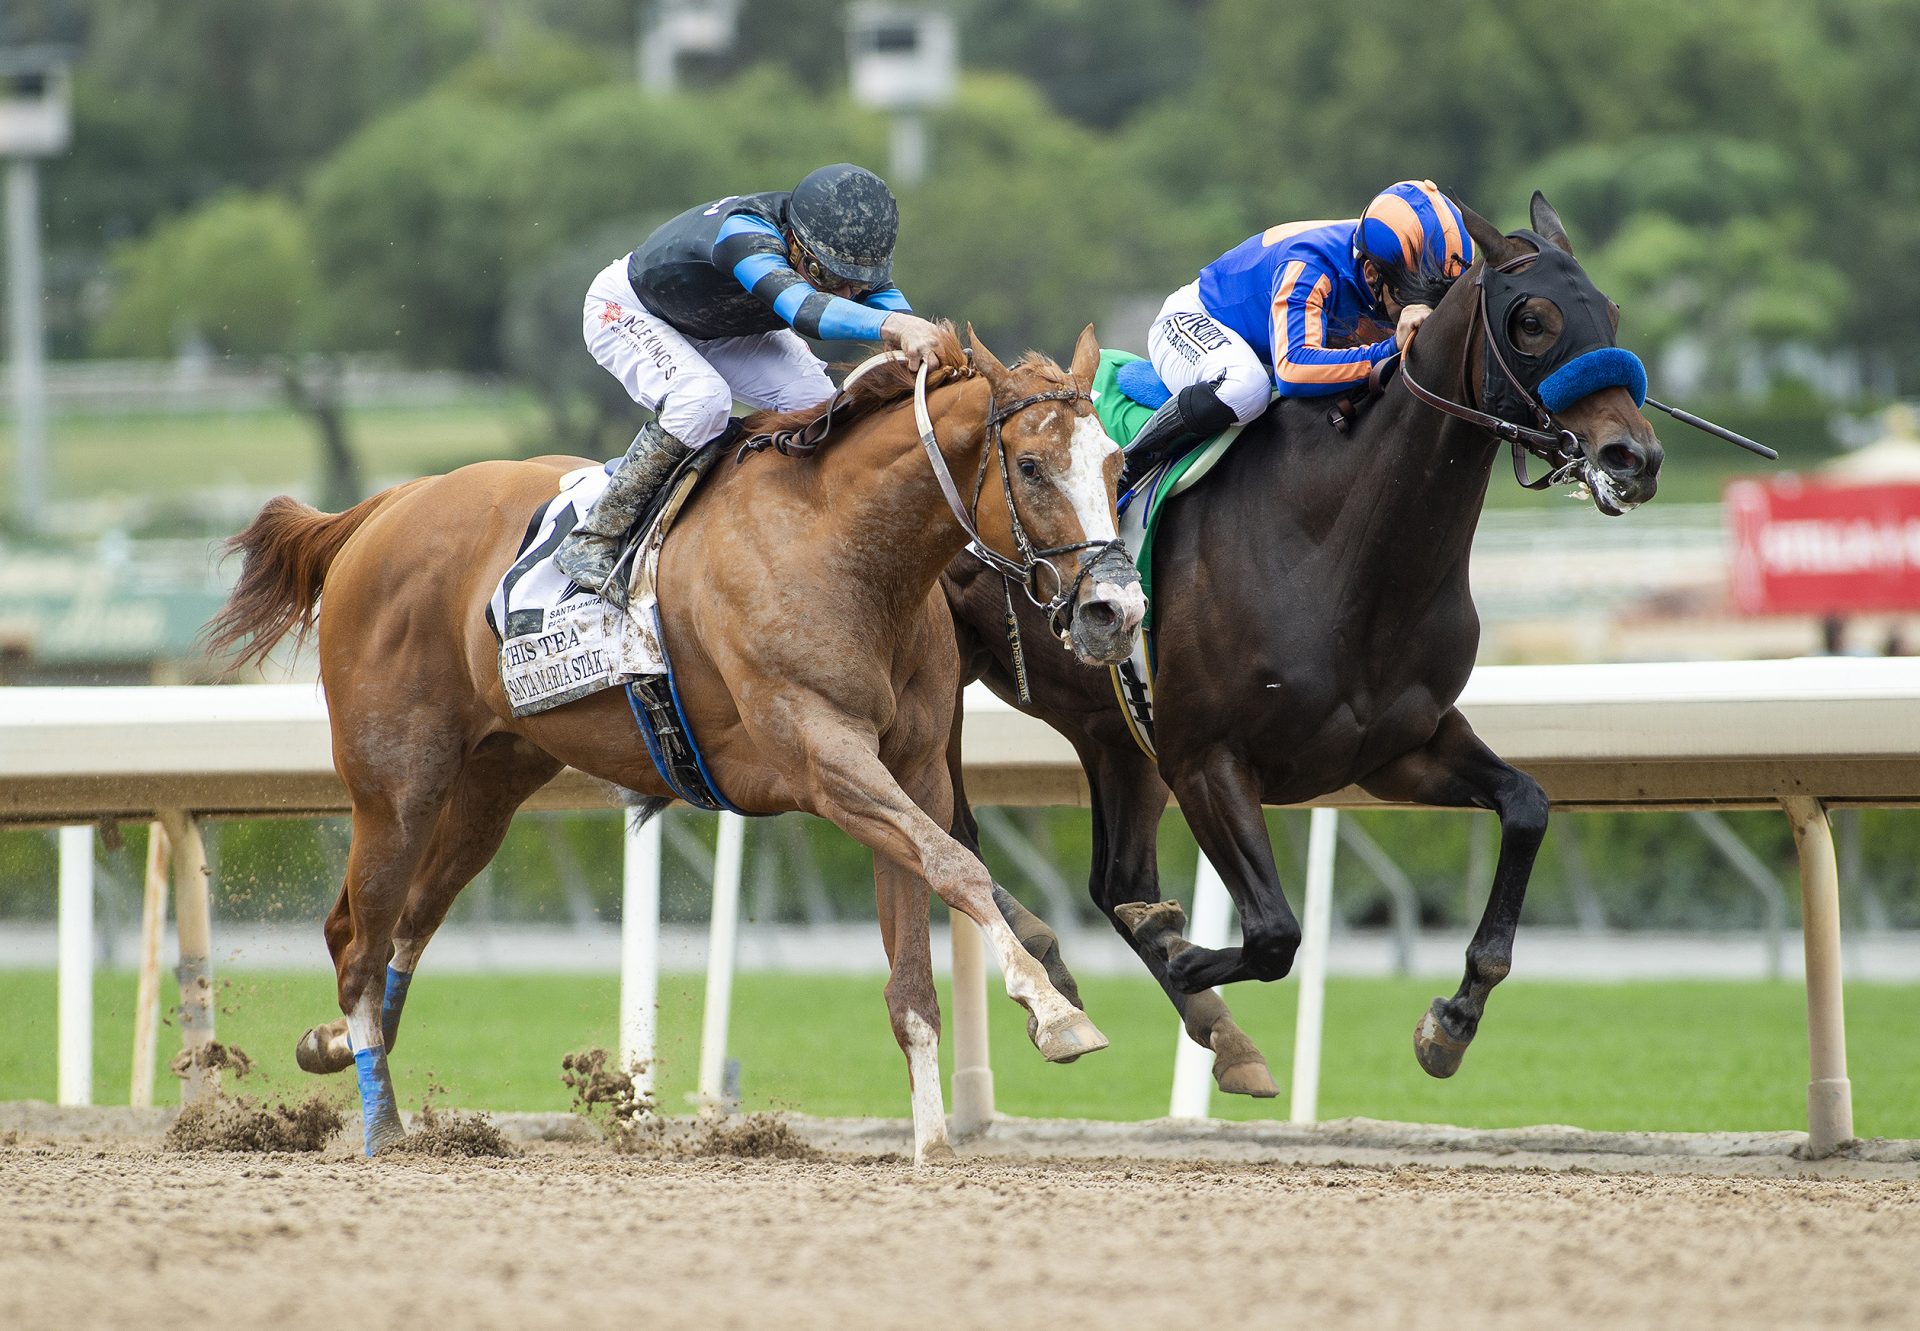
x=495 y=781
x=401 y=768
x=1455 y=770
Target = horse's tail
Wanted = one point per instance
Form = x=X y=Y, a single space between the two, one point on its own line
x=288 y=549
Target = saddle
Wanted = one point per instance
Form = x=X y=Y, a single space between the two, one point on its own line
x=560 y=642
x=1126 y=392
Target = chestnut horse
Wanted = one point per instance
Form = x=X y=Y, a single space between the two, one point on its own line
x=1313 y=625
x=813 y=651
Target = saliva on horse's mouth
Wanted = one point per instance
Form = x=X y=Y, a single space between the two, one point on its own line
x=1597 y=487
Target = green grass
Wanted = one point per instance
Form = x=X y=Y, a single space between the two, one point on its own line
x=165 y=453
x=1680 y=1056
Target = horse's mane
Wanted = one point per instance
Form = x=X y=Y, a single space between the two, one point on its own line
x=888 y=382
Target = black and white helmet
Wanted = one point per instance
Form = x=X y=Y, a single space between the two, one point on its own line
x=846 y=218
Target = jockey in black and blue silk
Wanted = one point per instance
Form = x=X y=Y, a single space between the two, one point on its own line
x=714 y=307
x=1301 y=309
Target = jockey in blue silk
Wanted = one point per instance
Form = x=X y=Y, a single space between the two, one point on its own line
x=713 y=307
x=1302 y=309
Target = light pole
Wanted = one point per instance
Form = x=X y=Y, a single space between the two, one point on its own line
x=673 y=28
x=35 y=122
x=902 y=59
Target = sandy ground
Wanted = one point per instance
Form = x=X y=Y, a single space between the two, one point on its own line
x=1055 y=1225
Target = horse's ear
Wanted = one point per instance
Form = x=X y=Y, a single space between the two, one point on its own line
x=985 y=360
x=1547 y=222
x=1086 y=359
x=1494 y=247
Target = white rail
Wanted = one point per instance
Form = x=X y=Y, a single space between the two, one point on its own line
x=1793 y=735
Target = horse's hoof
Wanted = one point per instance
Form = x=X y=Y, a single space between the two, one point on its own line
x=1254 y=1079
x=1238 y=1067
x=1439 y=1053
x=1157 y=925
x=384 y=1135
x=1151 y=916
x=319 y=1053
x=1069 y=1038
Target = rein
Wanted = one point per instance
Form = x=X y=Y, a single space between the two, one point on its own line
x=1024 y=568
x=1556 y=445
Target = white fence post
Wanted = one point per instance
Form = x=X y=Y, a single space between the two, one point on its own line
x=146 y=1001
x=640 y=953
x=723 y=936
x=1192 y=1065
x=1322 y=839
x=972 y=1068
x=76 y=966
x=193 y=916
x=1829 y=1092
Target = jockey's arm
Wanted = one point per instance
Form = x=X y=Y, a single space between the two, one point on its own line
x=1303 y=364
x=754 y=251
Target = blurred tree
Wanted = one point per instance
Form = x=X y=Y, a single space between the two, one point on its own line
x=415 y=231
x=1098 y=61
x=588 y=411
x=1029 y=226
x=237 y=276
x=1700 y=238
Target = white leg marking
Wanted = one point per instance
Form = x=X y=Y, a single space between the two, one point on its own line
x=1085 y=483
x=923 y=1065
x=1027 y=980
x=363 y=1023
x=406 y=954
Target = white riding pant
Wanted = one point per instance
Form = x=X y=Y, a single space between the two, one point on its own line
x=690 y=384
x=1189 y=346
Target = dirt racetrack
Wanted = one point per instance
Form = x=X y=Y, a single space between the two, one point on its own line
x=103 y=1226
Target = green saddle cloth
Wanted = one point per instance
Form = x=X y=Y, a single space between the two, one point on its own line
x=1123 y=419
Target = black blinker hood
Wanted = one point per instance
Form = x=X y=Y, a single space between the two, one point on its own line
x=1554 y=276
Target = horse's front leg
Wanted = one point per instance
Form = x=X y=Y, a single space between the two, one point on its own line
x=1455 y=770
x=843 y=779
x=1219 y=792
x=912 y=1005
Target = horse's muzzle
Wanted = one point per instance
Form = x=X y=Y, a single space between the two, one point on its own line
x=1624 y=473
x=1112 y=605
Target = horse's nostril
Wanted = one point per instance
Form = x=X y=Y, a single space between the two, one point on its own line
x=1623 y=459
x=1100 y=614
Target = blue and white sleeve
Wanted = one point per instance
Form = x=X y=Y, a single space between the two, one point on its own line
x=754 y=251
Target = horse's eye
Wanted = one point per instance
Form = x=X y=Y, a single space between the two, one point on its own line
x=1530 y=323
x=1029 y=468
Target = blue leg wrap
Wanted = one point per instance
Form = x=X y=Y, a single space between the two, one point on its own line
x=379 y=1113
x=392 y=1004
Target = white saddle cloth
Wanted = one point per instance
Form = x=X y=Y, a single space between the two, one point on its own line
x=557 y=642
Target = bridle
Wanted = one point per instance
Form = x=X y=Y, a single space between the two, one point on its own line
x=1553 y=443
x=1025 y=569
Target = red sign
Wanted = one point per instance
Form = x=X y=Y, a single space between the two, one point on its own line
x=1813 y=547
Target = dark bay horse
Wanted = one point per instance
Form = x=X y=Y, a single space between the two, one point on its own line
x=1313 y=628
x=813 y=650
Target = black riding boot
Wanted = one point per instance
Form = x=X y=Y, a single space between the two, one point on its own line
x=1193 y=414
x=587 y=555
